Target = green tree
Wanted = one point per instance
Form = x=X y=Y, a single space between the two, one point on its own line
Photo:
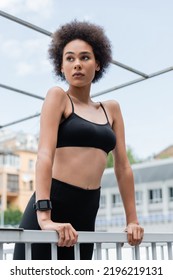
x=110 y=161
x=12 y=216
x=130 y=154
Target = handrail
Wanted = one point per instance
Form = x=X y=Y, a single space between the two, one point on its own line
x=21 y=235
x=98 y=238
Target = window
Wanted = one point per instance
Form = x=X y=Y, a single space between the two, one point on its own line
x=155 y=196
x=101 y=220
x=1 y=160
x=170 y=193
x=31 y=185
x=118 y=220
x=12 y=182
x=138 y=195
x=116 y=200
x=103 y=201
x=31 y=164
x=9 y=160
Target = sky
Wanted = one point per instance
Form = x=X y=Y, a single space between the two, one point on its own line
x=141 y=35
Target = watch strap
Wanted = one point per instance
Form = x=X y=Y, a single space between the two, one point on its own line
x=42 y=205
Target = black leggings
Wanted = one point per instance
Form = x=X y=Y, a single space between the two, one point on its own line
x=71 y=204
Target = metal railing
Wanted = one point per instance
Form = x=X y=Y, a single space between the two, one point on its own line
x=143 y=76
x=106 y=245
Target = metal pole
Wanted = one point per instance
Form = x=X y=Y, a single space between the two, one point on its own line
x=2 y=214
x=3 y=199
x=21 y=120
x=21 y=91
x=48 y=33
x=129 y=68
x=25 y=23
x=134 y=81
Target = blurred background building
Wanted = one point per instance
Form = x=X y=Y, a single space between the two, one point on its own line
x=153 y=185
x=154 y=197
x=17 y=168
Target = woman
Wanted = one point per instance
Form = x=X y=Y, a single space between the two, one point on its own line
x=76 y=134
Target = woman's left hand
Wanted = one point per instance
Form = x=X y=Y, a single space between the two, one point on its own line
x=135 y=234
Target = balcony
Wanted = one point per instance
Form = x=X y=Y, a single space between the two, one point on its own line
x=107 y=246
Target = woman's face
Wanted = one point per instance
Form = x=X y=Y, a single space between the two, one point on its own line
x=78 y=63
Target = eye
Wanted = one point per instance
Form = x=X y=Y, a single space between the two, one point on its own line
x=85 y=57
x=69 y=58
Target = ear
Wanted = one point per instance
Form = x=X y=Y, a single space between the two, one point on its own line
x=97 y=66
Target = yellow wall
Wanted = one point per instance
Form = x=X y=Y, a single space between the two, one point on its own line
x=19 y=198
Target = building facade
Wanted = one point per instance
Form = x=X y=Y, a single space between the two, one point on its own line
x=17 y=169
x=153 y=186
x=154 y=198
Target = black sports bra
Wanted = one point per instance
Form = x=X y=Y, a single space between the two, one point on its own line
x=76 y=131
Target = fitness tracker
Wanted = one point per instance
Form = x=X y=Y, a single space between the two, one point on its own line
x=42 y=205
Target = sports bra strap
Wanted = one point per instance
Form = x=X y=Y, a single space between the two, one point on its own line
x=71 y=102
x=104 y=111
x=100 y=105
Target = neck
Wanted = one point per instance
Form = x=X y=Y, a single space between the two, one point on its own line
x=82 y=94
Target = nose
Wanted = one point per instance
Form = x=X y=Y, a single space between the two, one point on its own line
x=77 y=65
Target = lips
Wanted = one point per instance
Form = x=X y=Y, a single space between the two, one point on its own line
x=78 y=74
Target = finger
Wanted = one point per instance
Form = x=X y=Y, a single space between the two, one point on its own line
x=74 y=236
x=60 y=242
x=141 y=234
x=129 y=234
x=137 y=235
x=67 y=236
x=133 y=238
x=67 y=240
x=61 y=238
x=70 y=236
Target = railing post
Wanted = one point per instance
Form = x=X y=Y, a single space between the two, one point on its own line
x=137 y=252
x=154 y=253
x=162 y=251
x=107 y=254
x=133 y=253
x=169 y=245
x=28 y=251
x=54 y=251
x=1 y=251
x=77 y=251
x=118 y=251
x=147 y=253
x=98 y=253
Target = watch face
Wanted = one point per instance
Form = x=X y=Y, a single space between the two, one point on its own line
x=43 y=204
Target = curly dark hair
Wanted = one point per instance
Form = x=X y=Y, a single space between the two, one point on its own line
x=92 y=34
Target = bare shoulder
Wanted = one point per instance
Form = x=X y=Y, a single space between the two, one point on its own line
x=56 y=93
x=56 y=97
x=112 y=107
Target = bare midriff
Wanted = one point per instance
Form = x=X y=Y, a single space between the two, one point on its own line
x=79 y=166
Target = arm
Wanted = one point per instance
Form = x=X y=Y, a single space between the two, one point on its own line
x=125 y=178
x=52 y=110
